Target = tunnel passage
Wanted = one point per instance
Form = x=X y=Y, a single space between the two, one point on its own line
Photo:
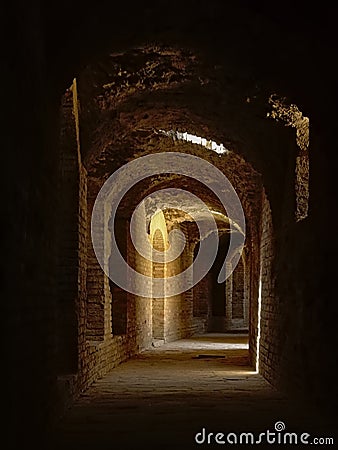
x=132 y=322
x=114 y=131
x=92 y=102
x=126 y=113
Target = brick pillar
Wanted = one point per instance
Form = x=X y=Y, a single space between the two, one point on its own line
x=158 y=271
x=119 y=295
x=228 y=296
x=98 y=289
x=71 y=235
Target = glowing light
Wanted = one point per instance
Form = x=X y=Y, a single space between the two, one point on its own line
x=219 y=213
x=210 y=145
x=259 y=324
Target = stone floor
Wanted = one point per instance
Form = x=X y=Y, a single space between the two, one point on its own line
x=164 y=396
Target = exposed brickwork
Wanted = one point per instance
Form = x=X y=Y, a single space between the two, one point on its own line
x=268 y=350
x=238 y=294
x=69 y=249
x=302 y=184
x=81 y=302
x=96 y=286
x=228 y=296
x=159 y=304
x=120 y=296
x=201 y=298
x=237 y=298
x=209 y=84
x=253 y=259
x=201 y=302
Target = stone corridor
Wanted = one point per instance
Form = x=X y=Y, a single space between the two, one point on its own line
x=168 y=186
x=164 y=396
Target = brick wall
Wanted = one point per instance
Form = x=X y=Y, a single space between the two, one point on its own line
x=96 y=285
x=158 y=304
x=87 y=347
x=201 y=304
x=253 y=258
x=237 y=290
x=68 y=240
x=113 y=324
x=179 y=308
x=269 y=330
x=38 y=300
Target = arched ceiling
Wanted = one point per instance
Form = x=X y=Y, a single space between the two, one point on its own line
x=205 y=68
x=128 y=97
